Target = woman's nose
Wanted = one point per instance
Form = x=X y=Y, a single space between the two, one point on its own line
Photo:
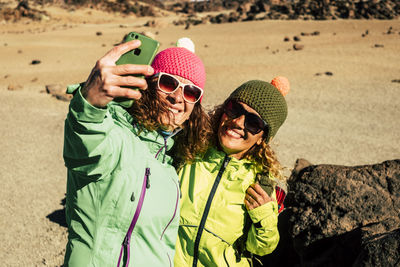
x=239 y=121
x=177 y=95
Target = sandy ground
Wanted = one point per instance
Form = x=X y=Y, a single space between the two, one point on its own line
x=351 y=117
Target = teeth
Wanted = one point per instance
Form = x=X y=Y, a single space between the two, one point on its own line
x=173 y=110
x=233 y=134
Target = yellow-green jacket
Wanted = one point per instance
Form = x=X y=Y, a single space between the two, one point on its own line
x=213 y=213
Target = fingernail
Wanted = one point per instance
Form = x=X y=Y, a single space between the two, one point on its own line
x=150 y=70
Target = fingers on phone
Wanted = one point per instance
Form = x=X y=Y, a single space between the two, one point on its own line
x=133 y=81
x=117 y=91
x=127 y=69
x=121 y=49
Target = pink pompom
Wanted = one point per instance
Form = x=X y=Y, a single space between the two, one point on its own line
x=282 y=83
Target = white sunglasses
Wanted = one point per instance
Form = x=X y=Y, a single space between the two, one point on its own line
x=168 y=84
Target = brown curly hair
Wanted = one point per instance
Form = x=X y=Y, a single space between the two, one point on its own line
x=191 y=141
x=262 y=154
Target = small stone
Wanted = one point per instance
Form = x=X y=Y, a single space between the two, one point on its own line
x=396 y=81
x=378 y=45
x=296 y=38
x=298 y=47
x=14 y=87
x=20 y=51
x=286 y=39
x=328 y=73
x=35 y=62
x=99 y=33
x=34 y=79
x=58 y=92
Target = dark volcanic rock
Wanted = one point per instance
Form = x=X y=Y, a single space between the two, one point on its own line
x=341 y=216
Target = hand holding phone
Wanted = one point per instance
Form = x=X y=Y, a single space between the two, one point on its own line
x=142 y=55
x=108 y=80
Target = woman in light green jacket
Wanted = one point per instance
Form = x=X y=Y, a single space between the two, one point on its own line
x=122 y=191
x=229 y=209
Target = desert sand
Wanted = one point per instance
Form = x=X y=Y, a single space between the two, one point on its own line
x=351 y=117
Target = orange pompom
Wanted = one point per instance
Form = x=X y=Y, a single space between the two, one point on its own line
x=282 y=83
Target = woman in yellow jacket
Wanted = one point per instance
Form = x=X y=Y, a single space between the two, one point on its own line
x=226 y=216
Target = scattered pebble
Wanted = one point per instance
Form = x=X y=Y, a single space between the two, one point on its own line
x=103 y=45
x=99 y=33
x=206 y=45
x=6 y=76
x=58 y=92
x=378 y=45
x=20 y=51
x=396 y=81
x=298 y=47
x=35 y=62
x=5 y=44
x=327 y=73
x=267 y=47
x=14 y=87
x=34 y=79
x=296 y=38
x=286 y=39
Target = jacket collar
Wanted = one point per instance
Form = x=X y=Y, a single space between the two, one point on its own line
x=215 y=156
x=154 y=139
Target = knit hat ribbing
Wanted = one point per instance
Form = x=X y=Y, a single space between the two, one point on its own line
x=182 y=62
x=266 y=99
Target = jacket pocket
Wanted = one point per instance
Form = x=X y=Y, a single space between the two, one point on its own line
x=231 y=260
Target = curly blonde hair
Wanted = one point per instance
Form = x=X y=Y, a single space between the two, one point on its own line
x=191 y=141
x=263 y=155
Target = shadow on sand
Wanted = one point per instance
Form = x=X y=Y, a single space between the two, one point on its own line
x=58 y=216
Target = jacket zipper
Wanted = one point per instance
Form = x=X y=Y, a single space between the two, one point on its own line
x=207 y=209
x=127 y=240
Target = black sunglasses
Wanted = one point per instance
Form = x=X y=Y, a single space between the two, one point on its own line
x=252 y=123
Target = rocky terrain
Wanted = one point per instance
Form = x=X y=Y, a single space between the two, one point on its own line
x=340 y=216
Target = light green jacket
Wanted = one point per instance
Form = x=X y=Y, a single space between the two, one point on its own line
x=106 y=159
x=225 y=221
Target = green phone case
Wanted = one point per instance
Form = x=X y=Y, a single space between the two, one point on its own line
x=143 y=55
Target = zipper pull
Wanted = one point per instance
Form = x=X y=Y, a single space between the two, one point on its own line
x=148 y=178
x=126 y=241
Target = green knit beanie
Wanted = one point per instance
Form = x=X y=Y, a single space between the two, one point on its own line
x=267 y=100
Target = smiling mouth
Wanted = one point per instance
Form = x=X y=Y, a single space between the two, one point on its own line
x=175 y=111
x=233 y=132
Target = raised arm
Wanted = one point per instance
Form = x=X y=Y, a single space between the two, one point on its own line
x=263 y=236
x=89 y=148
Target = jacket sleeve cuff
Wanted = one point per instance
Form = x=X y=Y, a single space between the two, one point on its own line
x=82 y=110
x=263 y=212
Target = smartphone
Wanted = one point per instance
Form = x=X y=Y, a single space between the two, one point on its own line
x=143 y=55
